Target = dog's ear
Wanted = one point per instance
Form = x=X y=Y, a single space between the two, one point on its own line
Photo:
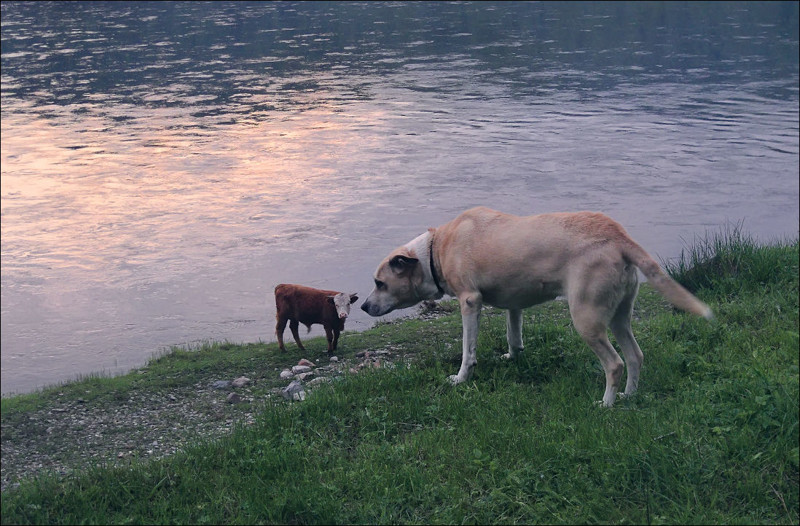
x=353 y=298
x=401 y=264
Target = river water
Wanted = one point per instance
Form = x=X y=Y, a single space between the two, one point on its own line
x=165 y=165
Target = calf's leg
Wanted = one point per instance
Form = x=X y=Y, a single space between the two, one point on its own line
x=336 y=333
x=330 y=337
x=293 y=325
x=279 y=328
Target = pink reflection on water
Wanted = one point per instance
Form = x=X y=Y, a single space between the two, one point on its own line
x=127 y=235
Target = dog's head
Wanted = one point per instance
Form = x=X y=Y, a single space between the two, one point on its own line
x=399 y=283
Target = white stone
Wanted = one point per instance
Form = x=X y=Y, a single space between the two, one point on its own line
x=294 y=391
x=241 y=381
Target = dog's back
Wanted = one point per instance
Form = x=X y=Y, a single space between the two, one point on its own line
x=538 y=254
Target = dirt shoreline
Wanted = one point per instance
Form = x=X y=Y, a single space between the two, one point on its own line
x=72 y=433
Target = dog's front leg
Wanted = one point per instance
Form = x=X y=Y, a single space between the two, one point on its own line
x=513 y=333
x=470 y=320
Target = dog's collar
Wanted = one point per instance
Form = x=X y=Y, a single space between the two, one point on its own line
x=433 y=268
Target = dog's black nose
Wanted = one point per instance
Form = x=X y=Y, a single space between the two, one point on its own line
x=365 y=307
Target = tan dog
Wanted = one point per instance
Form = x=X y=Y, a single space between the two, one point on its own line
x=511 y=262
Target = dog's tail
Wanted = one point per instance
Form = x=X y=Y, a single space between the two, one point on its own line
x=659 y=280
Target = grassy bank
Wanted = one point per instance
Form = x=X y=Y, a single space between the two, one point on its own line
x=711 y=437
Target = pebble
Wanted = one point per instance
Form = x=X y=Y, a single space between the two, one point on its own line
x=303 y=373
x=241 y=381
x=294 y=391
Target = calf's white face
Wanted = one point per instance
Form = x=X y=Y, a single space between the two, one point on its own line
x=342 y=303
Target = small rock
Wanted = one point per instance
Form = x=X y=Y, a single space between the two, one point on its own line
x=334 y=358
x=233 y=398
x=297 y=369
x=319 y=380
x=303 y=376
x=382 y=352
x=221 y=384
x=362 y=354
x=286 y=373
x=294 y=391
x=306 y=362
x=241 y=381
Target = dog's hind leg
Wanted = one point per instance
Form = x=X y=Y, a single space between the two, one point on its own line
x=594 y=333
x=513 y=333
x=621 y=328
x=470 y=321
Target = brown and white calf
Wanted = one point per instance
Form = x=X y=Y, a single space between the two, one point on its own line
x=299 y=304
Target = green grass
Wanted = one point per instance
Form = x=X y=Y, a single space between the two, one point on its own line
x=711 y=436
x=731 y=261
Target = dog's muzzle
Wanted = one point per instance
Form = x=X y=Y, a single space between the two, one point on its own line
x=372 y=309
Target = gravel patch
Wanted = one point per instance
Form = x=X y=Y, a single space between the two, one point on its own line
x=71 y=435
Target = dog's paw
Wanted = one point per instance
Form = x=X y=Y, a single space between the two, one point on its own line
x=454 y=379
x=602 y=403
x=507 y=356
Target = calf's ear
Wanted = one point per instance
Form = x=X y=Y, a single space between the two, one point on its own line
x=330 y=300
x=353 y=298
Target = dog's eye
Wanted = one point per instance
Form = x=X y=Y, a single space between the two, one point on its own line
x=380 y=285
